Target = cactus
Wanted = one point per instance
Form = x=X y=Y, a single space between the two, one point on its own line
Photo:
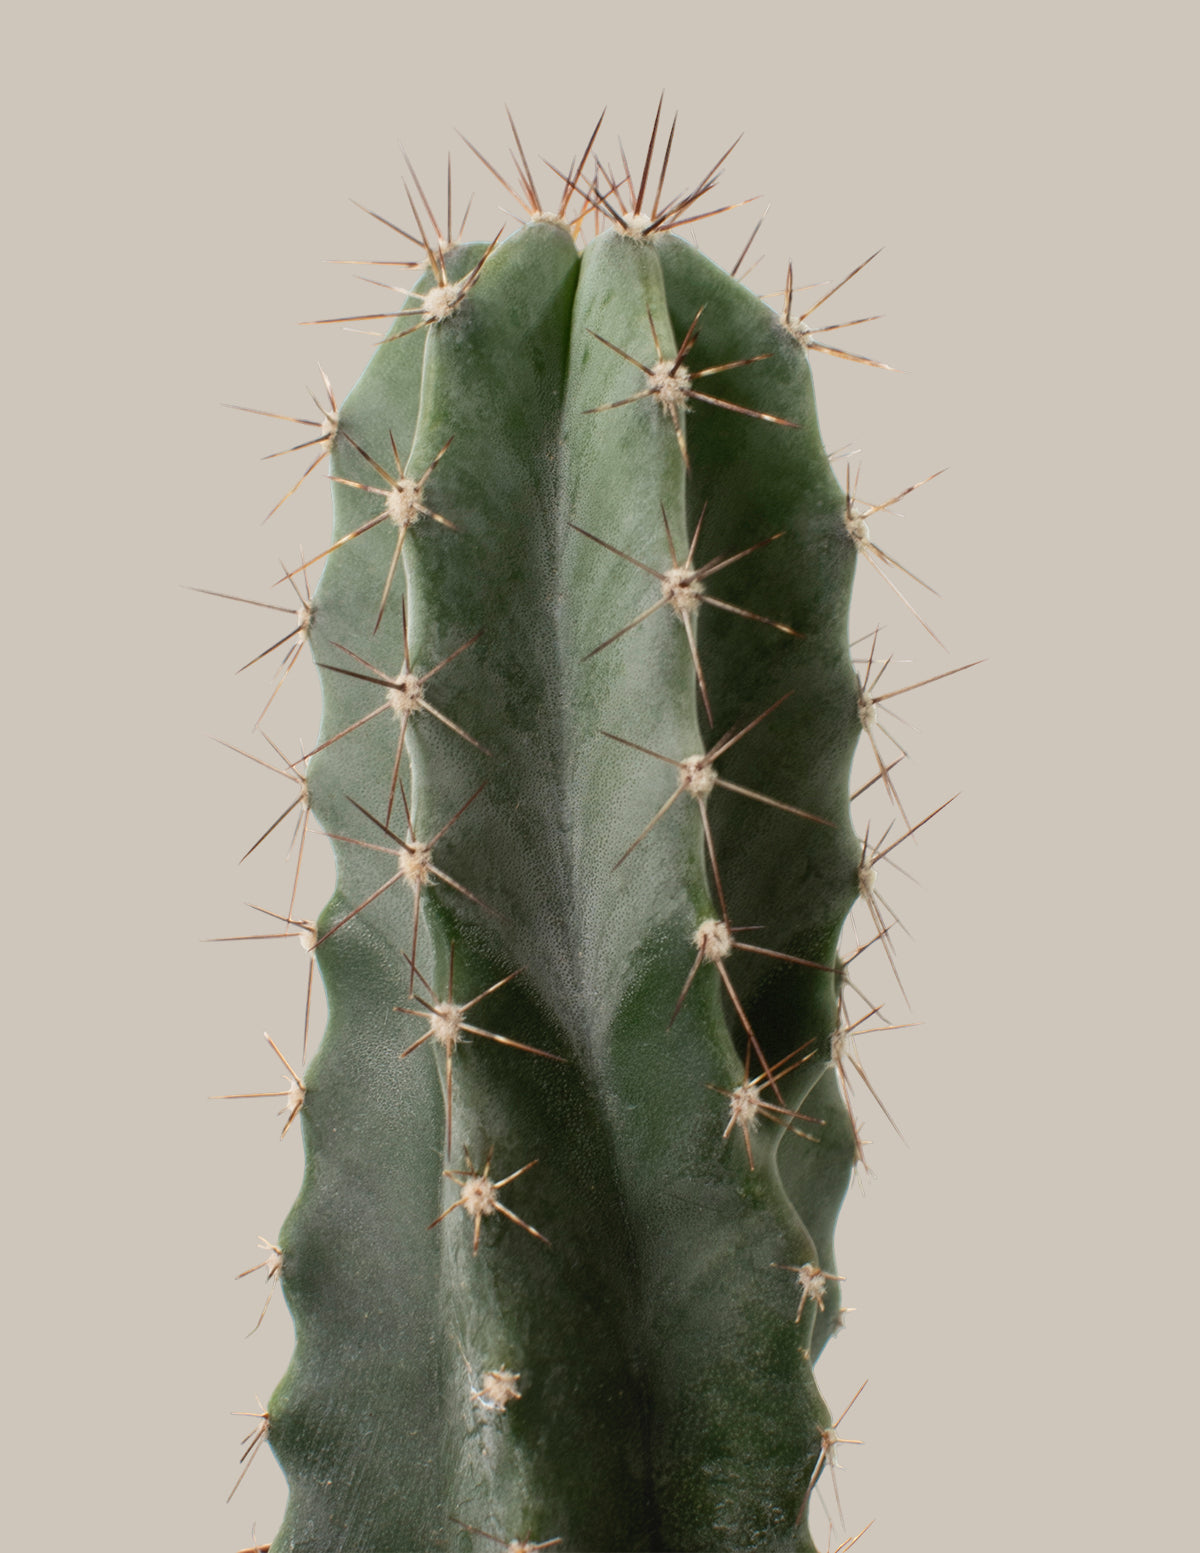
x=577 y=1134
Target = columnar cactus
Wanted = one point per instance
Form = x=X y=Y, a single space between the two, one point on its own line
x=576 y=1137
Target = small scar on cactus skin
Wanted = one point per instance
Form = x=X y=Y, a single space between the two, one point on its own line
x=326 y=429
x=521 y=1545
x=251 y=1444
x=405 y=696
x=294 y=1094
x=855 y=519
x=273 y=1264
x=447 y=1027
x=814 y=1284
x=682 y=587
x=830 y=1440
x=807 y=338
x=479 y=1200
x=415 y=860
x=671 y=383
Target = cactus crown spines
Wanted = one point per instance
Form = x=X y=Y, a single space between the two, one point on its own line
x=549 y=458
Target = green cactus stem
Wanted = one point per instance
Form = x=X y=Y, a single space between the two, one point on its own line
x=575 y=1141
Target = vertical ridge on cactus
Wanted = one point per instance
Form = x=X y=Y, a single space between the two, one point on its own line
x=544 y=1265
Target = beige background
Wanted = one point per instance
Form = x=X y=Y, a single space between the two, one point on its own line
x=1023 y=1270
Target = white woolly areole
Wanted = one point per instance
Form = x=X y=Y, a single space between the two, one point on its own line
x=636 y=224
x=866 y=710
x=714 y=940
x=813 y=1282
x=697 y=776
x=440 y=301
x=404 y=697
x=329 y=425
x=479 y=1196
x=445 y=1024
x=744 y=1106
x=670 y=383
x=682 y=589
x=497 y=1389
x=403 y=504
x=415 y=861
x=305 y=616
x=866 y=879
x=307 y=936
x=273 y=1265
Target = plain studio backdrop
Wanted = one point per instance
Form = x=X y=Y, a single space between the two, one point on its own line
x=1022 y=1265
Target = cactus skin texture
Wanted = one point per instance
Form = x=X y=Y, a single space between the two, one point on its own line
x=633 y=1286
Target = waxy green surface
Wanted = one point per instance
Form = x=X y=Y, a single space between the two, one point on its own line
x=667 y=1394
